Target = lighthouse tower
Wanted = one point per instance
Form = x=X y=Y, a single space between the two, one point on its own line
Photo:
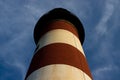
x=59 y=55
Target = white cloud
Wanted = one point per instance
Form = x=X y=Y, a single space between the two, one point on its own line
x=102 y=28
x=17 y=65
x=104 y=37
x=104 y=72
x=16 y=27
x=103 y=40
x=22 y=20
x=38 y=8
x=16 y=54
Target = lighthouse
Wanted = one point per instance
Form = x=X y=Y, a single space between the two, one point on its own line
x=59 y=55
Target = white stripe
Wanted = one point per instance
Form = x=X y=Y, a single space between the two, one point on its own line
x=58 y=72
x=60 y=36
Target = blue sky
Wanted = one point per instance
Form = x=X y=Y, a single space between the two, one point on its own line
x=101 y=23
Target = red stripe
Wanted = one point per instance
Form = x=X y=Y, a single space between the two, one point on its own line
x=56 y=24
x=59 y=53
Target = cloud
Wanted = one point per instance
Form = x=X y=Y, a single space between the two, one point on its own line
x=105 y=33
x=18 y=18
x=102 y=72
x=103 y=41
x=102 y=27
x=38 y=8
x=13 y=53
x=18 y=66
x=16 y=31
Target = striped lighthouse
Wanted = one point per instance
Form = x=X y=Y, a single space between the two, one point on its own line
x=59 y=55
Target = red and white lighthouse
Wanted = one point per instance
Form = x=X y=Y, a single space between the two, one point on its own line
x=59 y=55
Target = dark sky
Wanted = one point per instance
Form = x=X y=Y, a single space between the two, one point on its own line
x=101 y=20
